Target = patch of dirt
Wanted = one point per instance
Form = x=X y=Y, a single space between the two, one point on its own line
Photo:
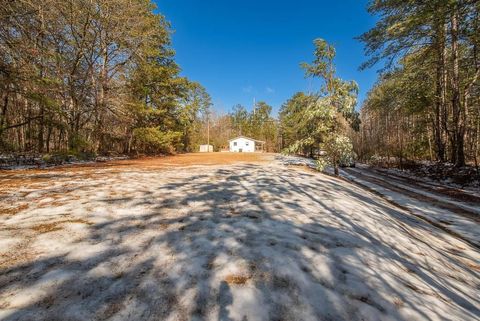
x=55 y=226
x=219 y=158
x=19 y=254
x=304 y=168
x=237 y=279
x=13 y=179
x=202 y=159
x=473 y=266
x=47 y=227
x=13 y=210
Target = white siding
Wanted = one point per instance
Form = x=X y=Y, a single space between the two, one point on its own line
x=242 y=144
x=206 y=148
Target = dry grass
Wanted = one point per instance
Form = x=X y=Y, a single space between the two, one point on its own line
x=17 y=255
x=11 y=180
x=473 y=266
x=47 y=227
x=304 y=168
x=56 y=226
x=58 y=199
x=13 y=210
x=195 y=159
x=398 y=302
x=232 y=279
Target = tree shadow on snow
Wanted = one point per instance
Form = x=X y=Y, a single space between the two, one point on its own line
x=226 y=246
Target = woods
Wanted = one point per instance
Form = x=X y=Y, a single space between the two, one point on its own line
x=92 y=76
x=425 y=105
x=97 y=77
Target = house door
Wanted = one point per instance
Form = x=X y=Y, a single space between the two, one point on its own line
x=240 y=150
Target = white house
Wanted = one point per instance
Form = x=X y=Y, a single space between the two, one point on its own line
x=242 y=144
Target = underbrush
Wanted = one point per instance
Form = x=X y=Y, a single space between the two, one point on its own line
x=465 y=176
x=32 y=160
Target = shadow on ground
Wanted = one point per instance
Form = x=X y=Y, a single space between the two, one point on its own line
x=248 y=243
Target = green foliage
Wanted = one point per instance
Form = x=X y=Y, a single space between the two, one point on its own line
x=257 y=124
x=322 y=66
x=422 y=105
x=193 y=111
x=339 y=152
x=83 y=75
x=56 y=158
x=61 y=157
x=153 y=141
x=294 y=125
x=240 y=120
x=403 y=25
x=309 y=122
x=78 y=144
x=321 y=164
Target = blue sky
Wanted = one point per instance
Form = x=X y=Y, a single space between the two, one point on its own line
x=246 y=49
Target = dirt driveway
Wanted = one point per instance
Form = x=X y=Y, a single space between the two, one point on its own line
x=220 y=237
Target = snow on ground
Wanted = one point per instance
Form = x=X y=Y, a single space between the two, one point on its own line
x=11 y=162
x=461 y=218
x=290 y=160
x=471 y=188
x=242 y=241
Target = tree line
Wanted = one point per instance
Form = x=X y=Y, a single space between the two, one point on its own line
x=257 y=123
x=425 y=104
x=93 y=76
x=87 y=77
x=99 y=77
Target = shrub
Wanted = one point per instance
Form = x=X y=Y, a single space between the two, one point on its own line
x=321 y=163
x=78 y=144
x=152 y=140
x=339 y=151
x=57 y=158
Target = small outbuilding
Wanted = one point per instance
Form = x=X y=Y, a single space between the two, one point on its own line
x=243 y=144
x=206 y=148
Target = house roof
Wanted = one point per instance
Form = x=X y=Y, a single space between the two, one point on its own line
x=255 y=140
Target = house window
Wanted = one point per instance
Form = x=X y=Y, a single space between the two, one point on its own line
x=246 y=144
x=234 y=143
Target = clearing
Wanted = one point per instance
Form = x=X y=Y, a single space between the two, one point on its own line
x=223 y=237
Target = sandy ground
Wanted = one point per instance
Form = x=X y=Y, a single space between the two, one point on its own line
x=221 y=237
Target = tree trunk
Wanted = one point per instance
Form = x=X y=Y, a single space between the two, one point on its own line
x=438 y=127
x=39 y=45
x=458 y=121
x=3 y=119
x=40 y=136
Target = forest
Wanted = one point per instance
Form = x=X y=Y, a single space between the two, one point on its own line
x=100 y=78
x=93 y=77
x=426 y=102
x=425 y=105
